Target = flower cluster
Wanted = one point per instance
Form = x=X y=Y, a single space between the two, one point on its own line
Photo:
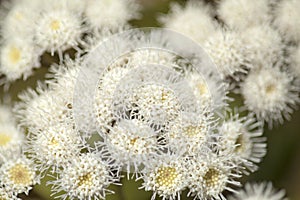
x=145 y=104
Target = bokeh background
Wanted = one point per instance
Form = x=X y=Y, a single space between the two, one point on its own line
x=281 y=165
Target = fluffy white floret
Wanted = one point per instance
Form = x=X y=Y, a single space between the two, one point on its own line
x=42 y=109
x=131 y=143
x=54 y=146
x=269 y=93
x=165 y=177
x=241 y=14
x=87 y=176
x=19 y=175
x=210 y=175
x=264 y=43
x=189 y=133
x=17 y=21
x=194 y=20
x=110 y=13
x=209 y=92
x=57 y=29
x=229 y=53
x=11 y=141
x=287 y=19
x=261 y=191
x=19 y=57
x=242 y=136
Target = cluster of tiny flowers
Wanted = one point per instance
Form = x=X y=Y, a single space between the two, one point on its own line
x=31 y=28
x=247 y=43
x=153 y=115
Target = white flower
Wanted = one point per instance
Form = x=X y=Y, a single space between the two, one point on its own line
x=17 y=21
x=11 y=141
x=54 y=146
x=269 y=93
x=86 y=177
x=18 y=175
x=210 y=175
x=189 y=132
x=165 y=176
x=51 y=103
x=229 y=53
x=259 y=191
x=241 y=14
x=209 y=92
x=131 y=143
x=242 y=137
x=18 y=58
x=58 y=28
x=114 y=13
x=264 y=43
x=194 y=20
x=41 y=109
x=155 y=103
x=286 y=19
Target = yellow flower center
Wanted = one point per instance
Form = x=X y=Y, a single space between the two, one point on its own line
x=164 y=95
x=270 y=88
x=202 y=88
x=20 y=174
x=85 y=180
x=4 y=139
x=55 y=25
x=14 y=55
x=192 y=131
x=19 y=16
x=132 y=141
x=53 y=142
x=211 y=178
x=166 y=176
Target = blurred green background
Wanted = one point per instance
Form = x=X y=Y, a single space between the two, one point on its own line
x=281 y=165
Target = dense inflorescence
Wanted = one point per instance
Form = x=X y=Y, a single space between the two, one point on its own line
x=145 y=104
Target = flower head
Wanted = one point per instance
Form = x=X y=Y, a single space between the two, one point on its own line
x=242 y=137
x=228 y=53
x=57 y=29
x=264 y=44
x=85 y=177
x=132 y=143
x=241 y=14
x=54 y=146
x=166 y=177
x=286 y=19
x=18 y=175
x=210 y=175
x=259 y=191
x=11 y=141
x=194 y=20
x=268 y=92
x=18 y=58
x=114 y=13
